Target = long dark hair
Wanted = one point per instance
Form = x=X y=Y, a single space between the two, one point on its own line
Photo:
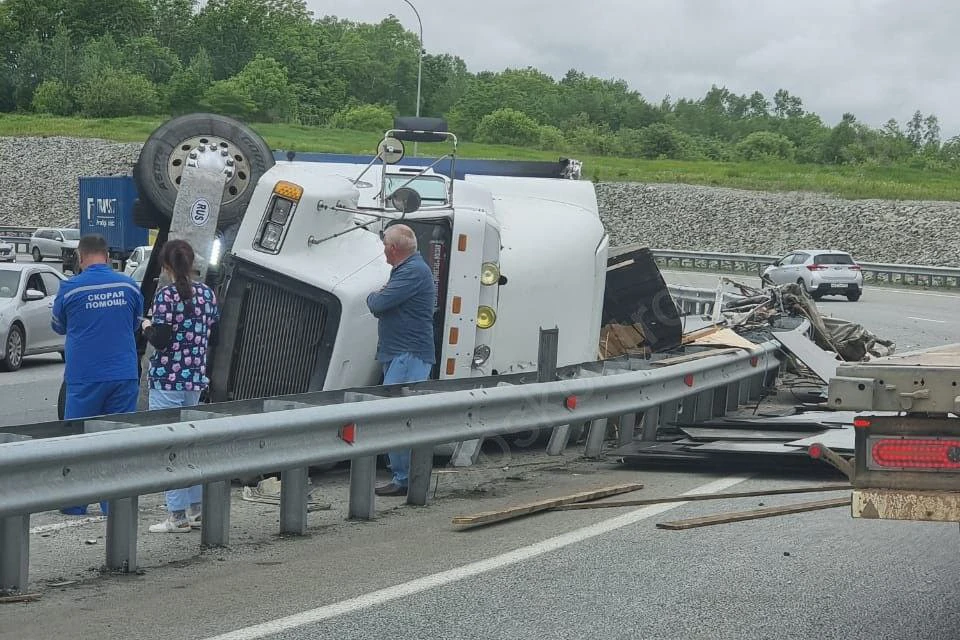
x=177 y=256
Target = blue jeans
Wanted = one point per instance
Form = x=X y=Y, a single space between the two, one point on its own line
x=177 y=499
x=403 y=368
x=91 y=399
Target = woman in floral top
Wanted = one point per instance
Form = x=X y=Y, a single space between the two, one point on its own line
x=184 y=314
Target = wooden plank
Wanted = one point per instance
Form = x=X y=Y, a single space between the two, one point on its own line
x=693 y=356
x=754 y=514
x=26 y=597
x=542 y=505
x=725 y=338
x=699 y=497
x=699 y=333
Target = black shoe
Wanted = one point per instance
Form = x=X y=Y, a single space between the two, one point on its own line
x=390 y=490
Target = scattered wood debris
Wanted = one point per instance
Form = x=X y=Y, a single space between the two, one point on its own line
x=699 y=497
x=754 y=514
x=23 y=597
x=509 y=513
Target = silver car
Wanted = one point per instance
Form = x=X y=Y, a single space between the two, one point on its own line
x=50 y=243
x=27 y=292
x=8 y=252
x=821 y=272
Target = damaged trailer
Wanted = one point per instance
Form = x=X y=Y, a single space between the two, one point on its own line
x=799 y=423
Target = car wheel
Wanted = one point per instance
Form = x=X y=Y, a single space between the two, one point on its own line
x=160 y=165
x=15 y=347
x=853 y=297
x=36 y=254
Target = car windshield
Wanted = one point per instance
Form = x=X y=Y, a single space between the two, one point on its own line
x=71 y=234
x=9 y=283
x=833 y=258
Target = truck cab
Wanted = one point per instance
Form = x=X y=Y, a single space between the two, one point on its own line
x=510 y=254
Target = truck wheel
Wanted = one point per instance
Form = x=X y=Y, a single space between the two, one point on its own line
x=160 y=165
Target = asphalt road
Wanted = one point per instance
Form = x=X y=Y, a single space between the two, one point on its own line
x=571 y=574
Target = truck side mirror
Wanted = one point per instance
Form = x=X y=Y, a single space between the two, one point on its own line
x=405 y=199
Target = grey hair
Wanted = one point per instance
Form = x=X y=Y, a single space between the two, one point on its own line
x=402 y=237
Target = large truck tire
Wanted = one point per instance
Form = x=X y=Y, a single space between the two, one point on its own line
x=160 y=165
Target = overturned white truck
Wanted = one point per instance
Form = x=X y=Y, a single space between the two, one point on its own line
x=514 y=247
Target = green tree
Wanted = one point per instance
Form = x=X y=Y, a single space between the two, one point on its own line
x=52 y=96
x=116 y=93
x=508 y=126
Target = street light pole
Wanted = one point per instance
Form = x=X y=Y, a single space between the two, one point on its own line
x=419 y=63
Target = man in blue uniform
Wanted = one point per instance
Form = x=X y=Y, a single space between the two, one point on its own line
x=404 y=307
x=98 y=310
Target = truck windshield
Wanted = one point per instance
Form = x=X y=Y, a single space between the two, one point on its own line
x=431 y=188
x=9 y=283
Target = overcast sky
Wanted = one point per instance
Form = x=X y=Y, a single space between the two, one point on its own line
x=878 y=59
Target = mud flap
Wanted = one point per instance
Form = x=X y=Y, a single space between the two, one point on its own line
x=637 y=294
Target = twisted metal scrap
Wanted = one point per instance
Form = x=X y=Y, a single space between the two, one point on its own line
x=758 y=307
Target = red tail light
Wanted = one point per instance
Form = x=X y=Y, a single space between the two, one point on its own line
x=854 y=267
x=816 y=267
x=916 y=453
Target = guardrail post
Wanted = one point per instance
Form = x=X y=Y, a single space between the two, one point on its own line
x=14 y=553
x=293 y=501
x=421 y=468
x=595 y=437
x=363 y=477
x=628 y=426
x=215 y=529
x=704 y=405
x=650 y=423
x=733 y=396
x=122 y=522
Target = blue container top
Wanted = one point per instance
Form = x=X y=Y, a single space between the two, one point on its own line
x=106 y=208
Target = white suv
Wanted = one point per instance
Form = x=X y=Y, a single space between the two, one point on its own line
x=821 y=272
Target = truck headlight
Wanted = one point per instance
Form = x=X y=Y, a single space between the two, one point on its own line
x=480 y=355
x=270 y=238
x=486 y=316
x=280 y=211
x=489 y=274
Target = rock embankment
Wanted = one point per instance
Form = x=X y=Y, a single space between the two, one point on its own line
x=39 y=187
x=694 y=218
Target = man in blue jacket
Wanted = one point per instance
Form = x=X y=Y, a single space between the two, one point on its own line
x=404 y=307
x=98 y=310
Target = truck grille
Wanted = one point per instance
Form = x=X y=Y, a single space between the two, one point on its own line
x=276 y=337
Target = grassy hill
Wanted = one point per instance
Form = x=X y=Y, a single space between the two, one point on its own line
x=898 y=183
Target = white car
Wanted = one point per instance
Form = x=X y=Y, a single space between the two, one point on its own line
x=140 y=255
x=821 y=272
x=27 y=292
x=8 y=252
x=50 y=242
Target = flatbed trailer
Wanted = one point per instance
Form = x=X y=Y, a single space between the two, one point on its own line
x=906 y=462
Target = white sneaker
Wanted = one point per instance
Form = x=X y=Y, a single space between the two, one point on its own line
x=171 y=526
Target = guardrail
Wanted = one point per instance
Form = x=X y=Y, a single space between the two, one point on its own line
x=211 y=445
x=749 y=264
x=19 y=237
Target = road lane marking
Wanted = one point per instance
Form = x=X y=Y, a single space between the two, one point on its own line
x=443 y=578
x=926 y=319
